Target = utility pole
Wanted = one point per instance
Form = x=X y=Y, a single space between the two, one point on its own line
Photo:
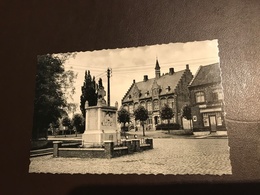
x=108 y=86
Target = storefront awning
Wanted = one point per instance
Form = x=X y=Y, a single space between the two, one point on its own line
x=210 y=110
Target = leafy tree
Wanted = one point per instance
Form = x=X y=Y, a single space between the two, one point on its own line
x=52 y=85
x=89 y=92
x=123 y=117
x=166 y=114
x=141 y=114
x=55 y=125
x=72 y=107
x=78 y=122
x=186 y=113
x=66 y=122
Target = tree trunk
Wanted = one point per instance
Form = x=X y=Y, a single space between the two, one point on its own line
x=143 y=128
x=168 y=126
x=124 y=130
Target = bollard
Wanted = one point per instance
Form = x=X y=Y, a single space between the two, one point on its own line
x=56 y=146
x=109 y=149
x=129 y=146
x=149 y=141
x=124 y=143
x=136 y=145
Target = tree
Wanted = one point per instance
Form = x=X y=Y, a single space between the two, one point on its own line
x=89 y=92
x=66 y=122
x=166 y=114
x=141 y=114
x=78 y=122
x=52 y=85
x=123 y=117
x=55 y=125
x=186 y=113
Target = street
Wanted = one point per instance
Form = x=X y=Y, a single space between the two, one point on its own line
x=169 y=156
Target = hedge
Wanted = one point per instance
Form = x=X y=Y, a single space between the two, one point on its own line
x=171 y=126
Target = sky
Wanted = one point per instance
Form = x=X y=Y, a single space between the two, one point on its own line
x=135 y=62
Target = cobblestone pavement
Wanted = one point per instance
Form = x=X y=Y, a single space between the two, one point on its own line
x=169 y=156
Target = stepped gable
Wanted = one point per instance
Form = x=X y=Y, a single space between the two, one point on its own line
x=206 y=75
x=128 y=91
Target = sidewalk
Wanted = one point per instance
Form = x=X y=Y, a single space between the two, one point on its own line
x=151 y=133
x=165 y=134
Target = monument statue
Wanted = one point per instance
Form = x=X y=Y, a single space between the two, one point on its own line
x=100 y=122
x=101 y=93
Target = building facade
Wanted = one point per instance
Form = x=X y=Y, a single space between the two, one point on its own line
x=206 y=98
x=170 y=88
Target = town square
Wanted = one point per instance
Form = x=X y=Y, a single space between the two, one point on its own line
x=169 y=122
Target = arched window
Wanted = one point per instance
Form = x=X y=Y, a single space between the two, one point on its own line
x=136 y=105
x=143 y=104
x=163 y=102
x=149 y=106
x=155 y=105
x=200 y=97
x=126 y=107
x=131 y=109
x=170 y=102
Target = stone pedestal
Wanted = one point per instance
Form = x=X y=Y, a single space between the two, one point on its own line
x=101 y=125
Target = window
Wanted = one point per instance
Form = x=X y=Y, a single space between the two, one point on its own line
x=149 y=105
x=217 y=95
x=131 y=108
x=168 y=89
x=143 y=104
x=150 y=120
x=206 y=120
x=219 y=119
x=170 y=102
x=155 y=105
x=200 y=97
x=163 y=102
x=126 y=107
x=136 y=105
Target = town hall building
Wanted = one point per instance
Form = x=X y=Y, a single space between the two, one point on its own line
x=170 y=88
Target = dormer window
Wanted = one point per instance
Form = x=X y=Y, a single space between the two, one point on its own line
x=168 y=89
x=147 y=93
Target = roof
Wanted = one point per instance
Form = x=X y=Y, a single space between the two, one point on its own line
x=206 y=75
x=163 y=82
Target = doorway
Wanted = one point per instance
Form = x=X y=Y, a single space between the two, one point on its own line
x=213 y=124
x=156 y=120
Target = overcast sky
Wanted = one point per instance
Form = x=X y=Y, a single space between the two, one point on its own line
x=132 y=63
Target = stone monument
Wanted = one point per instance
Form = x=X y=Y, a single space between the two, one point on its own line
x=101 y=122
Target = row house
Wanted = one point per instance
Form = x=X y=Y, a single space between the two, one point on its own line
x=206 y=99
x=170 y=88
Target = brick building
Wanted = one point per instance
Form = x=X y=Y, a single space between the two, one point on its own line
x=170 y=88
x=206 y=98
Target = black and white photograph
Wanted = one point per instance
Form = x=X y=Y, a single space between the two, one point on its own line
x=155 y=109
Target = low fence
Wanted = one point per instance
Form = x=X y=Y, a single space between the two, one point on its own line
x=108 y=151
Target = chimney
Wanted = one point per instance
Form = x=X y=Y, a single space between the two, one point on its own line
x=134 y=81
x=187 y=66
x=171 y=71
x=145 y=78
